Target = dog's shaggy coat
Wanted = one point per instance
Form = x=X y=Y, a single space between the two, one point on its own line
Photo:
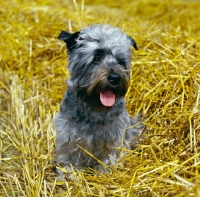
x=92 y=116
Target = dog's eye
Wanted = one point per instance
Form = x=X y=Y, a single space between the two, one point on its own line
x=99 y=54
x=122 y=63
x=97 y=58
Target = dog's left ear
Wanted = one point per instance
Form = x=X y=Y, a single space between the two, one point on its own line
x=133 y=43
x=69 y=39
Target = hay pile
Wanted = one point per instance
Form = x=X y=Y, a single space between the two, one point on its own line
x=165 y=85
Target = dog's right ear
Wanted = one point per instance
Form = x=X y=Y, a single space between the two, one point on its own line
x=133 y=43
x=69 y=39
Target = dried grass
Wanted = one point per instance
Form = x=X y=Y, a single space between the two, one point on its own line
x=165 y=85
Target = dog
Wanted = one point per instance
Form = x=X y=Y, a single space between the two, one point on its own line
x=93 y=122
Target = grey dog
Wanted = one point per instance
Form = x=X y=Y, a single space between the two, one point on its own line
x=93 y=123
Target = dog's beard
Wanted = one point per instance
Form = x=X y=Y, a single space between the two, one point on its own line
x=107 y=92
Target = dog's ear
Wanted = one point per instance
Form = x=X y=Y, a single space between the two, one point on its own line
x=133 y=43
x=69 y=39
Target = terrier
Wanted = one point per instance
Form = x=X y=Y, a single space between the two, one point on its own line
x=93 y=123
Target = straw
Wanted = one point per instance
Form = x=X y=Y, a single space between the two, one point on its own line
x=165 y=86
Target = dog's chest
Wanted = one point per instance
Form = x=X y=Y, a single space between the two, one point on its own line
x=101 y=130
x=95 y=128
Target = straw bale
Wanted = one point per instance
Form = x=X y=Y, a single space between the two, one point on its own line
x=165 y=86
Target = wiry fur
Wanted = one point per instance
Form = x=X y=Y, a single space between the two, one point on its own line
x=83 y=123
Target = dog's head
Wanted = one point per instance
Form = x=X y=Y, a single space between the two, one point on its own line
x=99 y=62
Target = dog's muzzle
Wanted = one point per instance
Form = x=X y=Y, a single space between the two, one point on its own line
x=108 y=97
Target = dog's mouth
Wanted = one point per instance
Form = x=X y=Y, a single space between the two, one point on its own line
x=107 y=98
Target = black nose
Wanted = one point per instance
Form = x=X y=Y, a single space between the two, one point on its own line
x=114 y=78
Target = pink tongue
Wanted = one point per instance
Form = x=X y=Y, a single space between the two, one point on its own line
x=107 y=98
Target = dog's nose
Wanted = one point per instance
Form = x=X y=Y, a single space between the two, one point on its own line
x=114 y=78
